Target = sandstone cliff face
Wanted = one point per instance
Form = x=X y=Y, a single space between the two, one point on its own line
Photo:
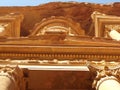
x=79 y=12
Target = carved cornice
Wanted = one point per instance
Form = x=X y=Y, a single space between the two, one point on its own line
x=70 y=48
x=65 y=53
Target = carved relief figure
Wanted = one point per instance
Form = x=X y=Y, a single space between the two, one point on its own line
x=112 y=31
x=3 y=28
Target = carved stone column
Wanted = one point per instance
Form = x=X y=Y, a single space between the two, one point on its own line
x=105 y=78
x=11 y=78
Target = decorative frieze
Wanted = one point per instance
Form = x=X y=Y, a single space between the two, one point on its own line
x=50 y=56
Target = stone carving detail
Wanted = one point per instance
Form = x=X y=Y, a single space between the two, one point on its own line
x=112 y=31
x=15 y=75
x=10 y=25
x=57 y=25
x=106 y=25
x=2 y=27
x=103 y=73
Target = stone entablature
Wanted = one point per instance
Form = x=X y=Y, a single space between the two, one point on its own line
x=55 y=41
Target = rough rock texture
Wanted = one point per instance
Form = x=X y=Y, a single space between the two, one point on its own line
x=79 y=12
x=59 y=80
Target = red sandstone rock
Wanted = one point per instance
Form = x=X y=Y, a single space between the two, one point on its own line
x=79 y=12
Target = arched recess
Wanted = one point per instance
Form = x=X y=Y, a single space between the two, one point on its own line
x=57 y=25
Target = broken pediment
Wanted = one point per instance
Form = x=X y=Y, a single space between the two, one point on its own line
x=57 y=26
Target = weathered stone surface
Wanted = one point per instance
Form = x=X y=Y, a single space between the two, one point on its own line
x=79 y=12
x=59 y=80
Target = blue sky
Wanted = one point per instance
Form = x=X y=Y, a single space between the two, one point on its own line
x=37 y=2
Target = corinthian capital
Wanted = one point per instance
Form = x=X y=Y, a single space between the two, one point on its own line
x=13 y=75
x=102 y=71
